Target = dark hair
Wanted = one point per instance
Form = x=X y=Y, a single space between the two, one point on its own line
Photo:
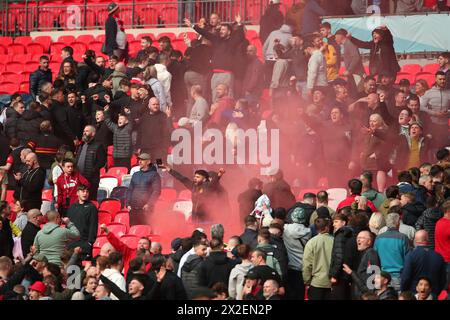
x=342 y=32
x=124 y=82
x=355 y=186
x=175 y=54
x=203 y=173
x=340 y=216
x=220 y=288
x=322 y=196
x=392 y=191
x=164 y=39
x=404 y=82
x=216 y=244
x=424 y=278
x=435 y=170
x=249 y=221
x=404 y=176
x=445 y=55
x=369 y=78
x=186 y=244
x=325 y=25
x=196 y=234
x=148 y=39
x=369 y=176
x=309 y=195
x=321 y=224
x=441 y=154
x=395 y=209
x=243 y=251
x=254 y=182
x=226 y=25
x=260 y=253
x=136 y=264
x=440 y=73
x=280 y=213
x=115 y=257
x=359 y=221
x=407 y=295
x=113 y=57
x=413 y=97
x=68 y=49
x=415 y=174
x=264 y=233
x=66 y=160
x=157 y=261
x=44 y=58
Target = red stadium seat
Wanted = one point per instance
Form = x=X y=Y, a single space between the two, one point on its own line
x=154 y=237
x=117 y=228
x=431 y=68
x=123 y=218
x=100 y=37
x=21 y=58
x=46 y=18
x=54 y=66
x=9 y=87
x=25 y=76
x=45 y=41
x=55 y=49
x=148 y=16
x=96 y=46
x=170 y=35
x=31 y=66
x=168 y=194
x=180 y=45
x=169 y=15
x=85 y=38
x=100 y=241
x=24 y=87
x=111 y=205
x=140 y=35
x=134 y=46
x=67 y=39
x=411 y=68
x=2 y=66
x=3 y=50
x=95 y=203
x=35 y=48
x=185 y=195
x=117 y=172
x=130 y=240
x=6 y=41
x=428 y=77
x=140 y=230
x=15 y=67
x=25 y=40
x=11 y=77
x=104 y=217
x=251 y=34
x=16 y=49
x=79 y=49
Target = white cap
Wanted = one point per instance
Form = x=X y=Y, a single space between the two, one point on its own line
x=275 y=1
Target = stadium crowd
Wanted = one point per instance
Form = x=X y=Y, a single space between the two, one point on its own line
x=386 y=144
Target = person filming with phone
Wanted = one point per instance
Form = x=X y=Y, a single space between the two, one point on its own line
x=144 y=191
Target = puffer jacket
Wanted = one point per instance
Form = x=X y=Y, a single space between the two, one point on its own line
x=28 y=125
x=427 y=221
x=52 y=240
x=412 y=212
x=121 y=138
x=215 y=268
x=341 y=237
x=190 y=274
x=237 y=279
x=145 y=188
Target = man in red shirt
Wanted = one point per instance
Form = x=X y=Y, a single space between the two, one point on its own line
x=66 y=185
x=355 y=189
x=223 y=102
x=442 y=236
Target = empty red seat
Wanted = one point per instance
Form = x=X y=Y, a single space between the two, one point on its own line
x=168 y=194
x=54 y=66
x=100 y=241
x=25 y=76
x=130 y=240
x=431 y=68
x=180 y=45
x=8 y=87
x=170 y=35
x=123 y=218
x=35 y=48
x=24 y=87
x=56 y=47
x=45 y=41
x=6 y=41
x=96 y=46
x=100 y=37
x=428 y=77
x=16 y=49
x=140 y=35
x=2 y=66
x=15 y=67
x=134 y=46
x=31 y=66
x=140 y=230
x=67 y=39
x=117 y=172
x=170 y=15
x=25 y=40
x=117 y=228
x=3 y=50
x=412 y=68
x=104 y=217
x=251 y=34
x=111 y=205
x=21 y=58
x=148 y=16
x=12 y=77
x=85 y=38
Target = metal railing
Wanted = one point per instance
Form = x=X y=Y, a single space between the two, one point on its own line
x=24 y=16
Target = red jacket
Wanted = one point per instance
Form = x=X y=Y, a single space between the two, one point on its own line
x=67 y=188
x=128 y=253
x=442 y=238
x=349 y=200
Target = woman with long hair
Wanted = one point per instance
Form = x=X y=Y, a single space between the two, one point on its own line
x=421 y=87
x=151 y=78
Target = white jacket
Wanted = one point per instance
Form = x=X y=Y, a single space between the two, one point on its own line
x=237 y=279
x=165 y=78
x=116 y=277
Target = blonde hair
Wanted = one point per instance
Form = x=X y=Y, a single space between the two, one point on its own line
x=380 y=119
x=150 y=72
x=376 y=222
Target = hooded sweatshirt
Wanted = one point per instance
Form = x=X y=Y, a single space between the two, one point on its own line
x=52 y=240
x=295 y=236
x=283 y=34
x=237 y=279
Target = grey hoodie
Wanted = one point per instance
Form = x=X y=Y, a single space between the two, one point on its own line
x=237 y=279
x=295 y=236
x=408 y=6
x=52 y=240
x=283 y=34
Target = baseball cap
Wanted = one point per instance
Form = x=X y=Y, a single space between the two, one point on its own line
x=175 y=244
x=144 y=156
x=298 y=215
x=252 y=274
x=112 y=7
x=322 y=212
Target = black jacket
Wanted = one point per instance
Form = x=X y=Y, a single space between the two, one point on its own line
x=411 y=212
x=382 y=55
x=172 y=287
x=4 y=149
x=27 y=238
x=6 y=239
x=103 y=135
x=154 y=131
x=215 y=268
x=37 y=78
x=427 y=221
x=341 y=236
x=247 y=201
x=198 y=59
x=28 y=125
x=223 y=49
x=76 y=120
x=46 y=146
x=360 y=275
x=30 y=187
x=280 y=253
x=190 y=274
x=60 y=123
x=151 y=295
x=110 y=35
x=12 y=119
x=95 y=160
x=85 y=218
x=250 y=237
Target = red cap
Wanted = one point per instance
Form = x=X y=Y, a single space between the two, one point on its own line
x=38 y=286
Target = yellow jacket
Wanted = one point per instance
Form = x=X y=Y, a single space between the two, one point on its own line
x=15 y=230
x=332 y=63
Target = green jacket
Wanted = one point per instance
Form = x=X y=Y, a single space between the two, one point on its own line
x=316 y=261
x=52 y=240
x=376 y=197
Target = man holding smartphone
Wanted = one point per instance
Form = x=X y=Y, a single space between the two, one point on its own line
x=144 y=190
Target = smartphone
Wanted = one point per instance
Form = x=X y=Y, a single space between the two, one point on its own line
x=159 y=163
